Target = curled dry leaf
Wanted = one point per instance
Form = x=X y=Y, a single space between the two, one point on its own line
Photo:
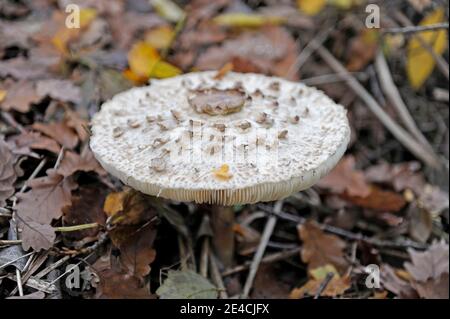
x=344 y=178
x=23 y=143
x=73 y=162
x=19 y=96
x=320 y=249
x=60 y=132
x=62 y=90
x=7 y=173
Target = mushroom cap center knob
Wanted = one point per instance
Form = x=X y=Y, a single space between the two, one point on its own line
x=217 y=102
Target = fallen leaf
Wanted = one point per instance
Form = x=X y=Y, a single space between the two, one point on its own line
x=320 y=249
x=160 y=37
x=378 y=199
x=62 y=90
x=420 y=5
x=7 y=173
x=434 y=200
x=400 y=176
x=362 y=50
x=145 y=62
x=33 y=295
x=22 y=143
x=430 y=264
x=86 y=208
x=21 y=68
x=19 y=96
x=429 y=271
x=268 y=284
x=392 y=282
x=115 y=285
x=60 y=132
x=420 y=63
x=168 y=10
x=271 y=50
x=242 y=20
x=36 y=236
x=46 y=199
x=420 y=223
x=136 y=250
x=311 y=7
x=73 y=162
x=344 y=178
x=2 y=95
x=335 y=287
x=78 y=124
x=186 y=285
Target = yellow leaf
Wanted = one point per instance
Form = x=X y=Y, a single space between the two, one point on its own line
x=145 y=62
x=311 y=7
x=87 y=15
x=246 y=20
x=223 y=172
x=320 y=273
x=114 y=203
x=168 y=10
x=142 y=58
x=163 y=70
x=420 y=62
x=159 y=38
x=344 y=4
x=2 y=95
x=136 y=79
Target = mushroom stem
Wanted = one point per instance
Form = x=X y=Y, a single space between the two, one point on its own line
x=222 y=221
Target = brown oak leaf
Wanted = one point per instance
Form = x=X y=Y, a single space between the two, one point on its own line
x=60 y=132
x=62 y=90
x=86 y=162
x=20 y=96
x=320 y=249
x=344 y=178
x=46 y=199
x=378 y=199
x=23 y=143
x=86 y=208
x=116 y=285
x=7 y=173
x=36 y=235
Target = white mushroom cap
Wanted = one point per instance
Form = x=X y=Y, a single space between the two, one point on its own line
x=241 y=139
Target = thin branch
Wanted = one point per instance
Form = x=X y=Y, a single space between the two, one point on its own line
x=397 y=131
x=418 y=28
x=268 y=229
x=390 y=90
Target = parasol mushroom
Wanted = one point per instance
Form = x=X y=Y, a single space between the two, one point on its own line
x=240 y=139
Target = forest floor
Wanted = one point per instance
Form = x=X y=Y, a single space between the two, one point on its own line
x=70 y=230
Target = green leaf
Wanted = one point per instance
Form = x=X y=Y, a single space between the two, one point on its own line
x=186 y=285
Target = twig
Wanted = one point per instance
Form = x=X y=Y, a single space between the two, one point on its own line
x=392 y=93
x=306 y=52
x=19 y=282
x=11 y=121
x=397 y=131
x=76 y=227
x=267 y=259
x=418 y=28
x=14 y=260
x=346 y=234
x=324 y=285
x=216 y=277
x=204 y=257
x=53 y=266
x=34 y=174
x=10 y=242
x=268 y=229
